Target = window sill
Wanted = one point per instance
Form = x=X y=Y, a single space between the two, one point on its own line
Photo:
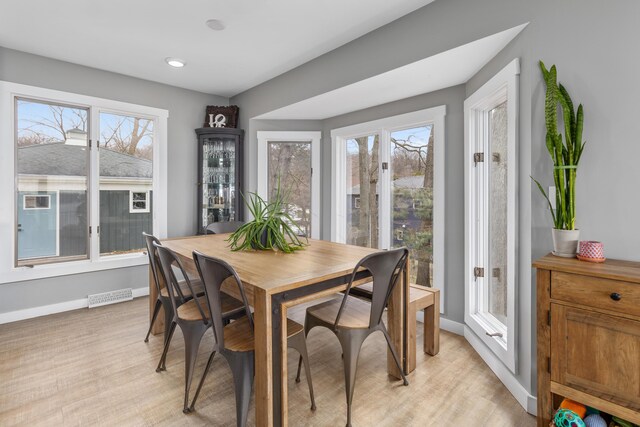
x=43 y=271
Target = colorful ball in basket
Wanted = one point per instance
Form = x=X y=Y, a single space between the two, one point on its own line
x=595 y=420
x=590 y=249
x=576 y=407
x=567 y=418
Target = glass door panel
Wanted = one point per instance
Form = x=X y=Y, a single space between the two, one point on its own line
x=362 y=190
x=412 y=198
x=219 y=180
x=289 y=163
x=497 y=285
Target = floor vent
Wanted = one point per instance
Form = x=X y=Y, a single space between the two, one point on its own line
x=112 y=297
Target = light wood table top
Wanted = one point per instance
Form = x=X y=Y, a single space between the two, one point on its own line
x=276 y=272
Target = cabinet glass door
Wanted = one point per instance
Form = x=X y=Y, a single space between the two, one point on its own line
x=218 y=180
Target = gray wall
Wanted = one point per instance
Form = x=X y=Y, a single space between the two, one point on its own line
x=186 y=112
x=588 y=40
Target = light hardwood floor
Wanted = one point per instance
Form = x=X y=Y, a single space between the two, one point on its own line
x=91 y=367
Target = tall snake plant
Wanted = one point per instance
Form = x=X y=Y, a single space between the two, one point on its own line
x=565 y=156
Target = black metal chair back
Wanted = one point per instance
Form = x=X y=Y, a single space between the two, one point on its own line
x=213 y=272
x=386 y=268
x=223 y=227
x=168 y=260
x=152 y=253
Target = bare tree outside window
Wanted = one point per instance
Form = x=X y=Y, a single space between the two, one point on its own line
x=412 y=186
x=290 y=164
x=362 y=177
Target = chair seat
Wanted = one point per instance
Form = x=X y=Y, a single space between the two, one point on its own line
x=238 y=335
x=189 y=310
x=197 y=287
x=355 y=315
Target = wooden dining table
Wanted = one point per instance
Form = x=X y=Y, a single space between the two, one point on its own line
x=274 y=282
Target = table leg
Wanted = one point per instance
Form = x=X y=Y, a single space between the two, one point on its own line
x=284 y=387
x=158 y=326
x=398 y=309
x=263 y=358
x=432 y=326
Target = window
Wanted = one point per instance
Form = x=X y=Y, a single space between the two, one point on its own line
x=85 y=170
x=36 y=202
x=490 y=175
x=388 y=189
x=290 y=159
x=138 y=202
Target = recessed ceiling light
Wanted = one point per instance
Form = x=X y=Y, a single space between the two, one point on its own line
x=215 y=24
x=175 y=62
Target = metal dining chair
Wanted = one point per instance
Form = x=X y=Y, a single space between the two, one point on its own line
x=236 y=341
x=223 y=227
x=353 y=320
x=162 y=299
x=193 y=316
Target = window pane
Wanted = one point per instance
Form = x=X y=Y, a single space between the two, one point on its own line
x=362 y=191
x=497 y=298
x=290 y=162
x=412 y=187
x=52 y=165
x=126 y=177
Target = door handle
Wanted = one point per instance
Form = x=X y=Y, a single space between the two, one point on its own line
x=495 y=334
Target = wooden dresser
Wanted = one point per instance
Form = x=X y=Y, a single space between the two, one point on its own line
x=588 y=336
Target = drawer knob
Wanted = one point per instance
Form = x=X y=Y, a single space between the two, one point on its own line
x=616 y=296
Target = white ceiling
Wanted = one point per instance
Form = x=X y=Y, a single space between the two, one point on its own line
x=262 y=40
x=446 y=69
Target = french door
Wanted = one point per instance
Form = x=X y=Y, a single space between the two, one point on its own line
x=387 y=190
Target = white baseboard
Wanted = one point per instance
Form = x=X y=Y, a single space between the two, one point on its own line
x=445 y=324
x=526 y=400
x=29 y=313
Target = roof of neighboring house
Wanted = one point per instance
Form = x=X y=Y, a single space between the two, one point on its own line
x=411 y=182
x=71 y=160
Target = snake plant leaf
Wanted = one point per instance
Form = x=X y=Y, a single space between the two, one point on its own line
x=578 y=134
x=551 y=102
x=545 y=72
x=544 y=193
x=564 y=95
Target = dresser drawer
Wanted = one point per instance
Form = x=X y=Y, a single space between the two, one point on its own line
x=596 y=292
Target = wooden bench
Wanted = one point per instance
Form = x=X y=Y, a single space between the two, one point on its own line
x=420 y=298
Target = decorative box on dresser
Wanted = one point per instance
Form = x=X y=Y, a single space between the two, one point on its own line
x=588 y=336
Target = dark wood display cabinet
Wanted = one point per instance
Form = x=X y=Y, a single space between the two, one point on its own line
x=220 y=172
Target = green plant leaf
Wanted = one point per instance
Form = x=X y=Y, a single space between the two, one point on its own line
x=553 y=215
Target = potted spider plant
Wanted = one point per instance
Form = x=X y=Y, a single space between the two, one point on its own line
x=565 y=154
x=272 y=227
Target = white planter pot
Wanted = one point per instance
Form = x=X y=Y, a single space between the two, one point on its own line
x=565 y=242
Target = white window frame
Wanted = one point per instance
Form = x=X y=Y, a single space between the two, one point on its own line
x=384 y=128
x=24 y=201
x=8 y=92
x=312 y=137
x=132 y=209
x=502 y=87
